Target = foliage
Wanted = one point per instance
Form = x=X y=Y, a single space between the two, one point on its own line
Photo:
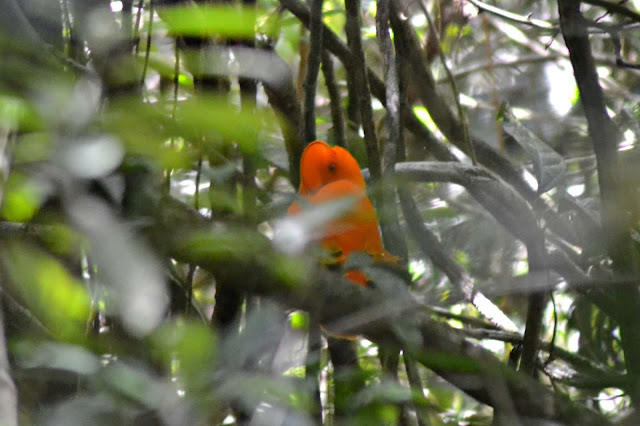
x=150 y=150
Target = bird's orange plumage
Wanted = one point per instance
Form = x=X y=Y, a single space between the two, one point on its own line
x=330 y=173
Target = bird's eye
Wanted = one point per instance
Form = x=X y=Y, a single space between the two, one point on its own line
x=332 y=167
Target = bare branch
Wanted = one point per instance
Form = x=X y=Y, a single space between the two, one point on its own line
x=313 y=67
x=616 y=8
x=354 y=38
x=335 y=100
x=433 y=249
x=615 y=219
x=8 y=394
x=514 y=17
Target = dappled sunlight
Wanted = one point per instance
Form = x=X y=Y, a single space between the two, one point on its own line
x=179 y=246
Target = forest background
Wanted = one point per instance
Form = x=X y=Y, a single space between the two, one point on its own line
x=150 y=150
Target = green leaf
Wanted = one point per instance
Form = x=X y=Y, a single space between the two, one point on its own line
x=188 y=347
x=53 y=296
x=219 y=20
x=22 y=199
x=299 y=321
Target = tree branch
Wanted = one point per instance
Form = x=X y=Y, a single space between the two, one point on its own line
x=513 y=17
x=611 y=7
x=432 y=248
x=313 y=67
x=391 y=145
x=8 y=394
x=335 y=101
x=615 y=208
x=392 y=121
x=353 y=309
x=363 y=93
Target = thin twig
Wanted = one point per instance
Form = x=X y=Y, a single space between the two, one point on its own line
x=616 y=8
x=617 y=47
x=389 y=221
x=554 y=333
x=579 y=362
x=513 y=17
x=354 y=38
x=391 y=85
x=174 y=106
x=148 y=50
x=312 y=366
x=335 y=100
x=136 y=28
x=431 y=247
x=402 y=71
x=66 y=28
x=454 y=87
x=495 y=100
x=415 y=382
x=314 y=59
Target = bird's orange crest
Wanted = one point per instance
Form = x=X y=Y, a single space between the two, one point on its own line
x=321 y=164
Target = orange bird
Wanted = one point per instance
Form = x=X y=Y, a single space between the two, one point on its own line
x=328 y=174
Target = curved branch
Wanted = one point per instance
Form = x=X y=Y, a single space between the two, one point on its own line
x=500 y=199
x=514 y=17
x=616 y=8
x=433 y=249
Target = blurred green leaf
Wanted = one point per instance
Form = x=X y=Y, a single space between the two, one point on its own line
x=61 y=239
x=15 y=111
x=55 y=297
x=211 y=20
x=219 y=121
x=192 y=345
x=252 y=389
x=243 y=247
x=299 y=321
x=57 y=356
x=22 y=198
x=136 y=383
x=165 y=67
x=378 y=414
x=149 y=129
x=32 y=147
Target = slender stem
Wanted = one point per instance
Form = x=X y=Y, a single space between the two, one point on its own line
x=391 y=85
x=615 y=207
x=466 y=138
x=389 y=221
x=314 y=58
x=136 y=27
x=354 y=39
x=148 y=49
x=513 y=17
x=335 y=100
x=415 y=382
